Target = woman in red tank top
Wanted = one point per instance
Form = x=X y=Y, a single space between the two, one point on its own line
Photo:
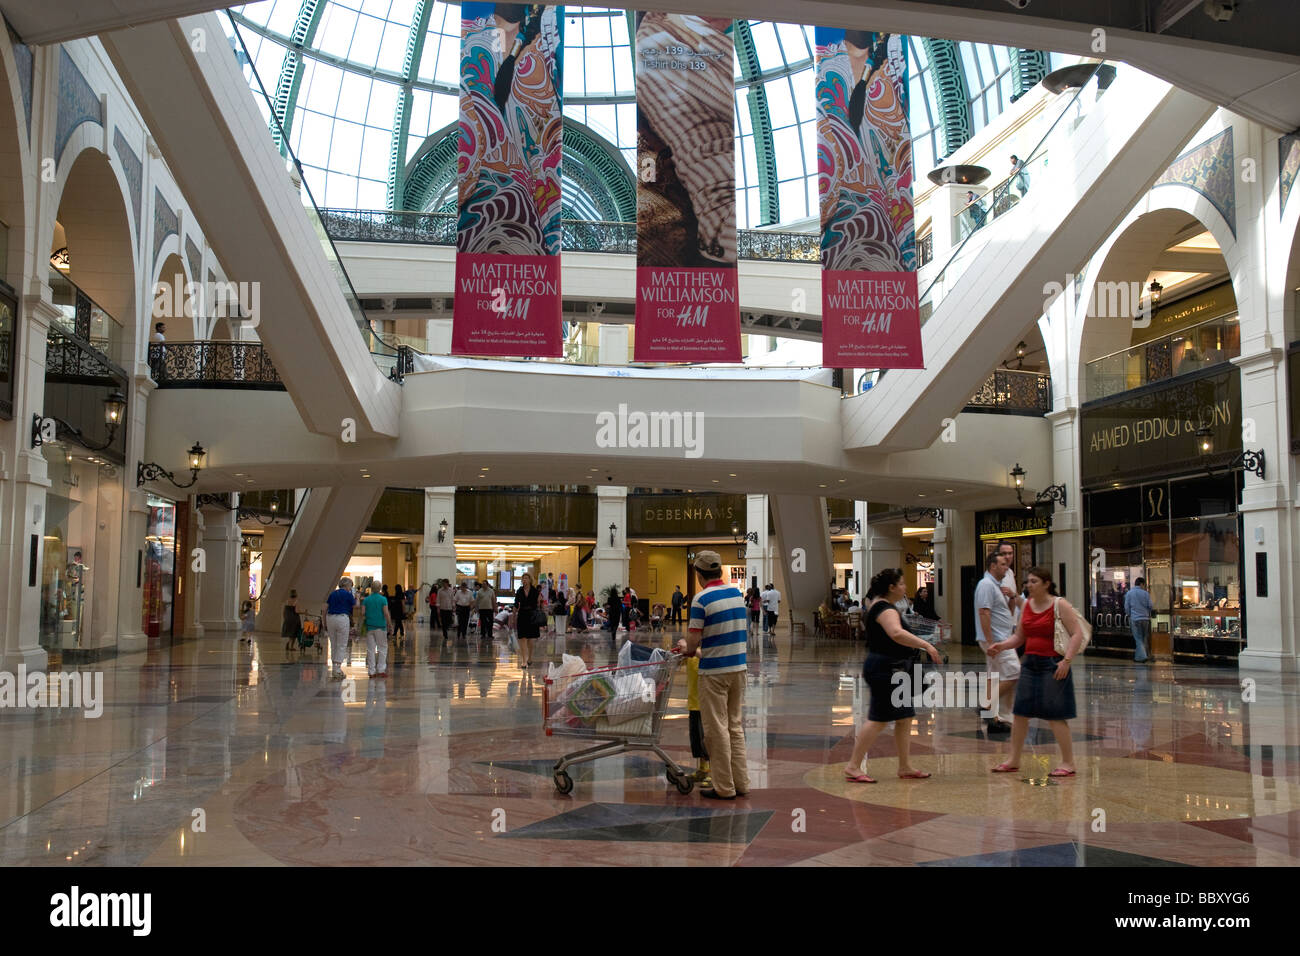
x=1046 y=686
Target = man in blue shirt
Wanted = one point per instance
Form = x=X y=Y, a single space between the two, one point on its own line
x=1137 y=605
x=338 y=621
x=719 y=632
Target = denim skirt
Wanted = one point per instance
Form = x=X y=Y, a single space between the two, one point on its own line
x=1040 y=694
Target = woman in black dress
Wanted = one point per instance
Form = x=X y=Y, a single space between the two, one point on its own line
x=397 y=610
x=292 y=622
x=526 y=602
x=889 y=648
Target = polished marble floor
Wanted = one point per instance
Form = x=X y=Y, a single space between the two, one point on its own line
x=212 y=752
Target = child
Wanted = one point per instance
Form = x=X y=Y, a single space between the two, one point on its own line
x=701 y=775
x=250 y=619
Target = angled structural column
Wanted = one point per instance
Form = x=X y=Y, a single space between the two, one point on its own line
x=325 y=529
x=803 y=554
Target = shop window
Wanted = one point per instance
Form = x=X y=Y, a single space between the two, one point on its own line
x=159 y=578
x=1207 y=588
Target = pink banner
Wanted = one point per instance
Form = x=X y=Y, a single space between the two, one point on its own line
x=507 y=305
x=687 y=314
x=870 y=320
x=870 y=317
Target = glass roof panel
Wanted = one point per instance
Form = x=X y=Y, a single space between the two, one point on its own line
x=351 y=85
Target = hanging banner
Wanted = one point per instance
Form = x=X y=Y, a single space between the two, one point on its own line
x=870 y=317
x=687 y=305
x=507 y=299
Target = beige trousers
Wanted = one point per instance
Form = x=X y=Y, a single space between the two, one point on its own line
x=722 y=713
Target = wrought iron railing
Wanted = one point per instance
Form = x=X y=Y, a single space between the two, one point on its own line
x=213 y=365
x=578 y=235
x=70 y=358
x=925 y=249
x=1014 y=392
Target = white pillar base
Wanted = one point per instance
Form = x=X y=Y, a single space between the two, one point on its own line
x=1273 y=661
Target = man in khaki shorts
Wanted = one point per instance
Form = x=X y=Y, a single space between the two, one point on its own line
x=994 y=622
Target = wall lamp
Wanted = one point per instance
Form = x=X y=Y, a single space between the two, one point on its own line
x=1053 y=493
x=153 y=471
x=613 y=533
x=747 y=536
x=1252 y=461
x=913 y=515
x=442 y=530
x=48 y=428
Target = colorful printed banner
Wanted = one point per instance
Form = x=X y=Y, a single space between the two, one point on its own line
x=870 y=314
x=507 y=299
x=687 y=303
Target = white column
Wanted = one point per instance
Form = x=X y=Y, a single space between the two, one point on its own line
x=861 y=557
x=23 y=501
x=219 y=597
x=193 y=580
x=884 y=550
x=1266 y=506
x=610 y=560
x=135 y=517
x=438 y=558
x=758 y=557
x=613 y=340
x=1067 y=521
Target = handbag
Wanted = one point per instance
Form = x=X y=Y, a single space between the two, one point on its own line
x=1061 y=637
x=539 y=617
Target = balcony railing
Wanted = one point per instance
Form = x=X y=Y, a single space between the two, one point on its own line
x=213 y=365
x=1014 y=392
x=1178 y=353
x=577 y=235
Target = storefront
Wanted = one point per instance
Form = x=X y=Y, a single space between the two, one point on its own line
x=79 y=572
x=1156 y=506
x=1029 y=530
x=158 y=580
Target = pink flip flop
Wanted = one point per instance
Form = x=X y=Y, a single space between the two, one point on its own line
x=1061 y=772
x=858 y=778
x=914 y=775
x=1005 y=768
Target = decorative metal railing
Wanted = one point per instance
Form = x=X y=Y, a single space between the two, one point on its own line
x=578 y=235
x=1014 y=392
x=70 y=358
x=213 y=365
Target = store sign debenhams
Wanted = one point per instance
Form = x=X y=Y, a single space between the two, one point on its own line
x=689 y=515
x=1159 y=427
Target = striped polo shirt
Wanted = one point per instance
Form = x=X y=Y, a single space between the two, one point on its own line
x=719 y=611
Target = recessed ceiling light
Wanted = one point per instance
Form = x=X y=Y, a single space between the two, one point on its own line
x=949 y=490
x=731 y=474
x=485 y=468
x=821 y=486
x=842 y=480
x=919 y=495
x=715 y=481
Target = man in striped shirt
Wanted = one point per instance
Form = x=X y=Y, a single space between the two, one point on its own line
x=718 y=627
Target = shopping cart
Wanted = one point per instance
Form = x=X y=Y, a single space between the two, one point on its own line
x=310 y=627
x=935 y=632
x=622 y=706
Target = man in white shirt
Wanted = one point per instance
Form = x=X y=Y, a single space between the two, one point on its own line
x=771 y=599
x=993 y=623
x=1011 y=590
x=464 y=601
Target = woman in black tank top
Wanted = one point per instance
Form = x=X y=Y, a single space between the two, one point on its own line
x=890 y=648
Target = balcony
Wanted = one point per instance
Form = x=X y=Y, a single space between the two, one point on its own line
x=577 y=235
x=1013 y=392
x=1189 y=350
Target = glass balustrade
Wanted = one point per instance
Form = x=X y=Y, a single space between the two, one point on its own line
x=1178 y=353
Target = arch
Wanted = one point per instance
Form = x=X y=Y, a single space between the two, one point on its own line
x=16 y=160
x=167 y=290
x=1129 y=255
x=1289 y=267
x=96 y=221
